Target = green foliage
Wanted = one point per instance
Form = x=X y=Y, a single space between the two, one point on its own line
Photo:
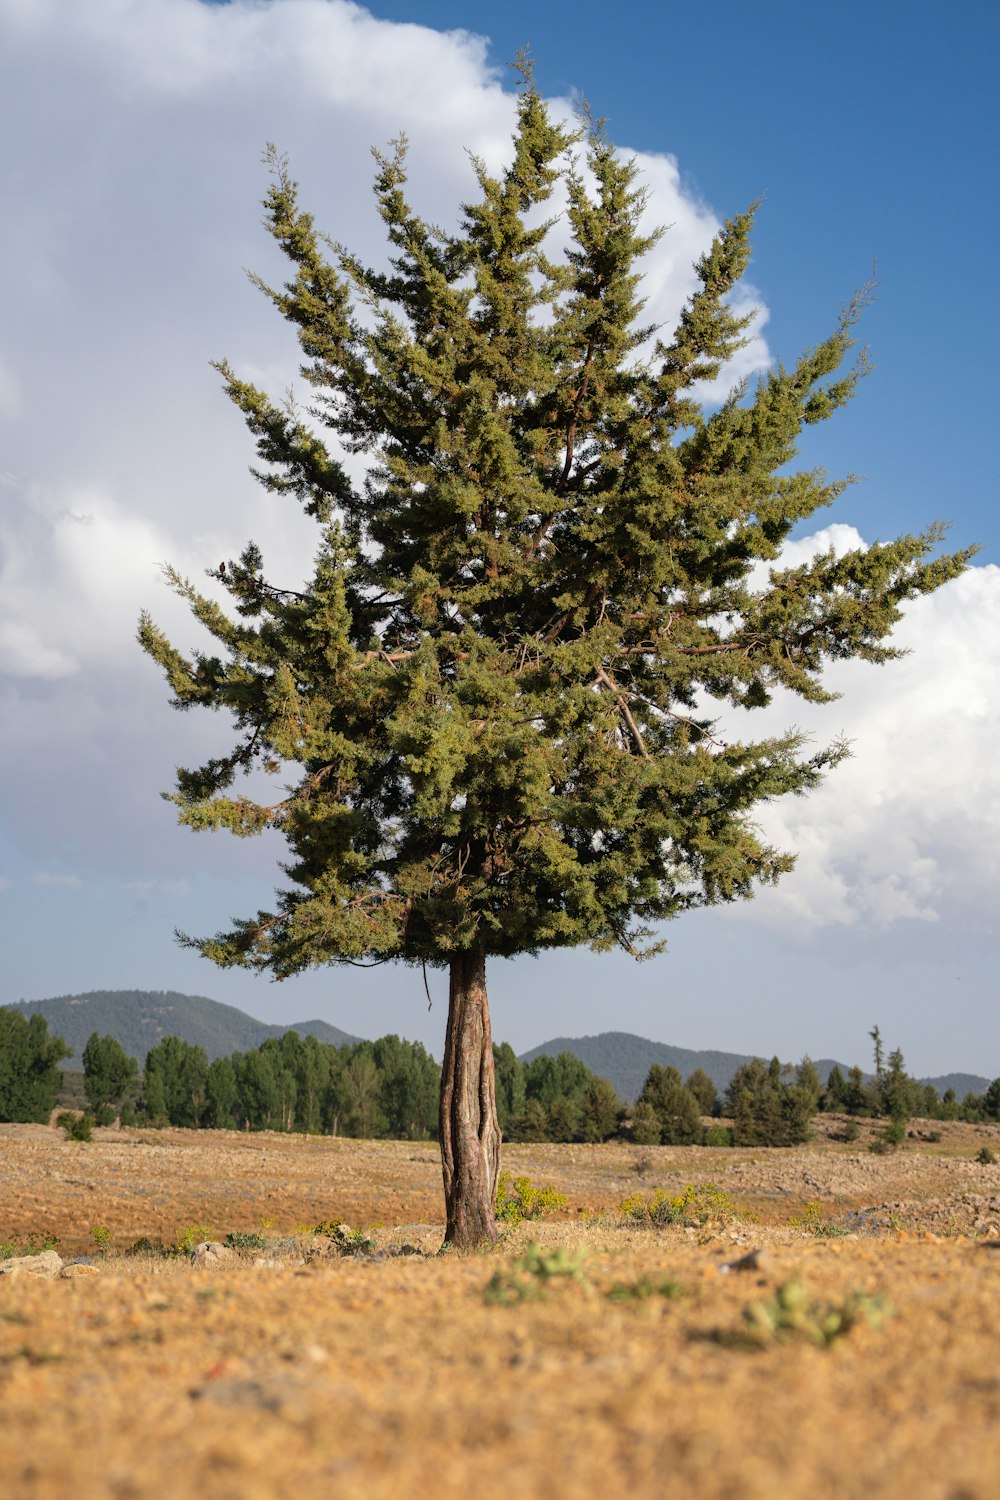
x=174 y=1081
x=348 y=1241
x=985 y=1157
x=814 y=1221
x=29 y=1073
x=242 y=1239
x=108 y=1075
x=991 y=1101
x=718 y=1135
x=100 y=1235
x=791 y=1311
x=75 y=1126
x=643 y=1289
x=675 y=1107
x=483 y=699
x=701 y=1205
x=769 y=1107
x=890 y=1138
x=191 y=1235
x=34 y=1244
x=519 y=1199
x=532 y=1274
x=703 y=1088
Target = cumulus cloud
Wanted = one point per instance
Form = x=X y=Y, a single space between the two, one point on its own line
x=907 y=830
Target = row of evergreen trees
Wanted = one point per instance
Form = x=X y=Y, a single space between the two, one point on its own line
x=389 y=1088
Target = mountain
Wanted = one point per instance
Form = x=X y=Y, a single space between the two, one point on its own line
x=625 y=1060
x=138 y=1019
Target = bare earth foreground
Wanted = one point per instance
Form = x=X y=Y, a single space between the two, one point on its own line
x=287 y=1372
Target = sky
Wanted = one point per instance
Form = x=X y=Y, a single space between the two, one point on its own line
x=132 y=180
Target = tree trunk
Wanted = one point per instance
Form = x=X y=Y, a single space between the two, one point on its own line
x=469 y=1129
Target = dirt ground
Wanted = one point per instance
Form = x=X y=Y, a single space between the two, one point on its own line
x=280 y=1373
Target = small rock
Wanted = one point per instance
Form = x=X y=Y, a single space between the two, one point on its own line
x=754 y=1260
x=210 y=1252
x=47 y=1263
x=77 y=1268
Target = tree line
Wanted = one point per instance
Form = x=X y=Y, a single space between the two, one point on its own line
x=389 y=1089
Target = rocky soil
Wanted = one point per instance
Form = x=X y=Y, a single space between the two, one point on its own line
x=290 y=1369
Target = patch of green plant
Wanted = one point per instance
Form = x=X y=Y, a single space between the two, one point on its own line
x=695 y=1205
x=813 y=1221
x=643 y=1289
x=194 y=1234
x=76 y=1127
x=851 y=1131
x=530 y=1275
x=888 y=1139
x=985 y=1157
x=144 y=1246
x=792 y=1312
x=35 y=1244
x=718 y=1135
x=347 y=1240
x=101 y=1236
x=519 y=1199
x=240 y=1239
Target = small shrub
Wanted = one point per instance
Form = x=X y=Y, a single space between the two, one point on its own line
x=104 y=1115
x=128 y=1115
x=75 y=1127
x=518 y=1199
x=101 y=1236
x=718 y=1135
x=345 y=1239
x=528 y=1278
x=851 y=1131
x=698 y=1206
x=194 y=1234
x=813 y=1221
x=643 y=1289
x=888 y=1139
x=239 y=1239
x=34 y=1245
x=790 y=1311
x=934 y=1135
x=985 y=1157
x=143 y=1246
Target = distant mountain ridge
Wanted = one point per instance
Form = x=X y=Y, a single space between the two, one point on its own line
x=138 y=1019
x=625 y=1059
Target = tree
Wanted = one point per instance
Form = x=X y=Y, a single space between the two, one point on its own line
x=767 y=1108
x=489 y=700
x=991 y=1101
x=510 y=1086
x=108 y=1072
x=675 y=1106
x=600 y=1109
x=704 y=1090
x=175 y=1079
x=29 y=1067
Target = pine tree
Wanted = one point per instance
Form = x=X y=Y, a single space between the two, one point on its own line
x=489 y=699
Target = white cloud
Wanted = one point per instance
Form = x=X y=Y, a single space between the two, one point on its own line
x=53 y=878
x=907 y=830
x=5 y=883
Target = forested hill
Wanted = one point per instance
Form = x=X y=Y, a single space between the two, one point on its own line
x=625 y=1060
x=138 y=1019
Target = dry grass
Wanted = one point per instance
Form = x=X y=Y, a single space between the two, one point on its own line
x=397 y=1378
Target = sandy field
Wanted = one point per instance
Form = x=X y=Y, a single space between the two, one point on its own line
x=859 y=1355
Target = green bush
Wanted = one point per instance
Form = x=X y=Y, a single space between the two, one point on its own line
x=77 y=1127
x=531 y=1273
x=104 y=1115
x=718 y=1135
x=240 y=1239
x=519 y=1199
x=985 y=1157
x=791 y=1311
x=697 y=1206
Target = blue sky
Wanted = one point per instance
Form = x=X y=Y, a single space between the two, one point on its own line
x=136 y=128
